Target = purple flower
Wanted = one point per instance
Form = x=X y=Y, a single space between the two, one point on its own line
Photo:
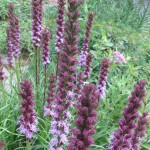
x=36 y=22
x=86 y=73
x=27 y=121
x=60 y=25
x=118 y=57
x=121 y=139
x=13 y=35
x=140 y=131
x=45 y=46
x=82 y=58
x=67 y=71
x=104 y=69
x=9 y=47
x=1 y=70
x=79 y=86
x=51 y=96
x=87 y=117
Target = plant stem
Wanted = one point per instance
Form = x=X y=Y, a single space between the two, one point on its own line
x=37 y=72
x=45 y=76
x=3 y=92
x=28 y=144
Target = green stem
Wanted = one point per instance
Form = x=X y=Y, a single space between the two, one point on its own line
x=45 y=76
x=17 y=70
x=28 y=144
x=3 y=92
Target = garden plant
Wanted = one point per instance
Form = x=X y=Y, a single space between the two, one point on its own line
x=77 y=89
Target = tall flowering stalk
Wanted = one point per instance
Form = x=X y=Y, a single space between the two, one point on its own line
x=13 y=35
x=27 y=121
x=104 y=69
x=140 y=131
x=121 y=139
x=60 y=25
x=86 y=73
x=83 y=54
x=60 y=29
x=87 y=117
x=51 y=95
x=60 y=126
x=45 y=54
x=37 y=32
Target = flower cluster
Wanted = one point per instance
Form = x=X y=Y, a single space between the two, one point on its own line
x=104 y=69
x=86 y=73
x=45 y=46
x=36 y=22
x=121 y=139
x=118 y=57
x=1 y=70
x=67 y=62
x=27 y=121
x=51 y=95
x=83 y=54
x=87 y=117
x=140 y=131
x=60 y=25
x=13 y=35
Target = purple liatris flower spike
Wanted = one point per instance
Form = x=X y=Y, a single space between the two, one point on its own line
x=121 y=139
x=140 y=131
x=104 y=69
x=9 y=47
x=27 y=121
x=13 y=35
x=87 y=117
x=83 y=54
x=45 y=46
x=36 y=22
x=51 y=96
x=15 y=30
x=67 y=62
x=60 y=25
x=1 y=70
x=86 y=73
x=79 y=86
x=118 y=57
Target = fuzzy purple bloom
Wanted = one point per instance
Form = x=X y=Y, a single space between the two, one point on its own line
x=60 y=25
x=9 y=47
x=27 y=121
x=104 y=70
x=45 y=47
x=86 y=73
x=51 y=95
x=79 y=86
x=13 y=35
x=36 y=22
x=87 y=117
x=121 y=139
x=140 y=131
x=118 y=57
x=1 y=70
x=67 y=70
x=83 y=54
